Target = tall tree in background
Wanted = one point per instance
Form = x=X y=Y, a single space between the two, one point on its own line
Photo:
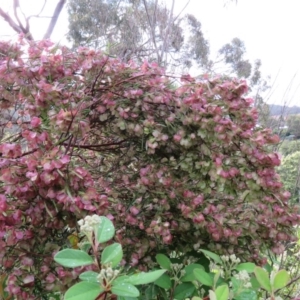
x=138 y=29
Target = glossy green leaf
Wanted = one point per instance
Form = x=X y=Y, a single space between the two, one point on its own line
x=163 y=261
x=85 y=246
x=164 y=281
x=222 y=292
x=268 y=267
x=203 y=277
x=248 y=267
x=262 y=277
x=281 y=279
x=89 y=276
x=254 y=283
x=151 y=292
x=144 y=278
x=212 y=255
x=112 y=254
x=189 y=272
x=73 y=258
x=246 y=295
x=105 y=230
x=125 y=289
x=122 y=278
x=83 y=290
x=184 y=290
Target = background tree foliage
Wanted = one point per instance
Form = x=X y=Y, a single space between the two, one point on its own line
x=290 y=172
x=293 y=123
x=138 y=29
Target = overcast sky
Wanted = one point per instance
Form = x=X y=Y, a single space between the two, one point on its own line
x=269 y=28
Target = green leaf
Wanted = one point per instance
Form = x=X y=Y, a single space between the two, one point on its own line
x=73 y=258
x=105 y=230
x=246 y=295
x=203 y=277
x=120 y=279
x=184 y=290
x=145 y=278
x=248 y=267
x=151 y=292
x=112 y=254
x=163 y=261
x=236 y=283
x=164 y=281
x=262 y=277
x=189 y=272
x=125 y=289
x=83 y=290
x=222 y=292
x=126 y=298
x=254 y=283
x=212 y=255
x=268 y=267
x=85 y=246
x=204 y=261
x=281 y=279
x=89 y=276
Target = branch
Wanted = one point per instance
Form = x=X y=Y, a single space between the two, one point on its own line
x=167 y=31
x=16 y=5
x=17 y=28
x=152 y=30
x=10 y=21
x=55 y=16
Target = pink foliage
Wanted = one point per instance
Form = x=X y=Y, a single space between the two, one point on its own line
x=172 y=167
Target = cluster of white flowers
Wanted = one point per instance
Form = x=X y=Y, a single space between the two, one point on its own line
x=177 y=266
x=87 y=224
x=107 y=273
x=244 y=277
x=231 y=257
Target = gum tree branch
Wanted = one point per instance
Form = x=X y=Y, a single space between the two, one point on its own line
x=14 y=25
x=54 y=19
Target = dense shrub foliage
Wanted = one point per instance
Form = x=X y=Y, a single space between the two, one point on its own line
x=173 y=167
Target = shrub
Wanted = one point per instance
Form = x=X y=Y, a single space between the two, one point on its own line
x=173 y=168
x=210 y=276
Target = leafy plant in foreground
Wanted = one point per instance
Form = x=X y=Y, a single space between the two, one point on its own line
x=227 y=278
x=106 y=278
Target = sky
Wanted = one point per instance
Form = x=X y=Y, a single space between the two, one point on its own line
x=269 y=29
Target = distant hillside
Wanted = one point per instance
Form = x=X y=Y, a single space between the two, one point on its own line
x=276 y=110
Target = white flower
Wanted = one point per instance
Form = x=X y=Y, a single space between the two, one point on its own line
x=88 y=223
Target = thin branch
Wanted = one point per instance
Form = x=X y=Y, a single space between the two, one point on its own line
x=152 y=31
x=54 y=19
x=38 y=14
x=19 y=28
x=183 y=9
x=13 y=24
x=15 y=6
